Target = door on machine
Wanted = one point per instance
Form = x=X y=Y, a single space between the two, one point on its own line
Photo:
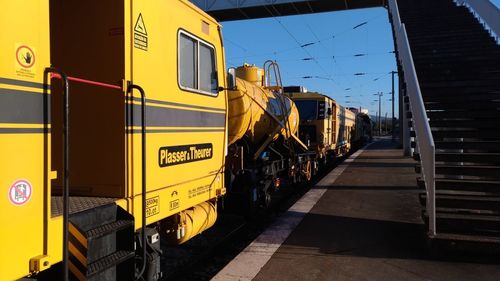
x=177 y=59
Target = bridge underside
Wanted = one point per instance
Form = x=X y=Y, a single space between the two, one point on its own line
x=225 y=10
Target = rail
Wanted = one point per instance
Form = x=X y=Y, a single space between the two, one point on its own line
x=424 y=139
x=487 y=13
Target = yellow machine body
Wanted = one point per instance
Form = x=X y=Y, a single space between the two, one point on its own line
x=121 y=42
x=257 y=112
x=24 y=174
x=191 y=222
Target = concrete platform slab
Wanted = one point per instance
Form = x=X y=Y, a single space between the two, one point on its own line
x=365 y=226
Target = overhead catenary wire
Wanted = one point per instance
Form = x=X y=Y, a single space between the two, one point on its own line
x=333 y=63
x=302 y=46
x=320 y=40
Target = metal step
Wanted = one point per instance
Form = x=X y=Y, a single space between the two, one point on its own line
x=462 y=237
x=471 y=146
x=475 y=186
x=464 y=113
x=465 y=204
x=109 y=228
x=474 y=105
x=483 y=158
x=467 y=134
x=109 y=262
x=478 y=172
x=456 y=123
x=100 y=239
x=470 y=224
x=450 y=96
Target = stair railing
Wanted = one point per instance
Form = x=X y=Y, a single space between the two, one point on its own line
x=424 y=139
x=487 y=13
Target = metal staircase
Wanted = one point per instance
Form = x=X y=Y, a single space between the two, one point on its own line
x=101 y=244
x=451 y=66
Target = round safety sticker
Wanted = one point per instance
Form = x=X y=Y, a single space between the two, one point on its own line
x=20 y=192
x=25 y=56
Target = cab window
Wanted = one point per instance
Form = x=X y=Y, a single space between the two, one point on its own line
x=197 y=68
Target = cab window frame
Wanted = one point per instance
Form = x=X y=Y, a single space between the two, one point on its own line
x=199 y=41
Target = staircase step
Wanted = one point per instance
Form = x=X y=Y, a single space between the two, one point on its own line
x=488 y=187
x=466 y=193
x=431 y=43
x=485 y=47
x=466 y=134
x=466 y=204
x=464 y=113
x=462 y=237
x=109 y=261
x=456 y=123
x=470 y=224
x=490 y=146
x=455 y=105
x=484 y=172
x=444 y=54
x=445 y=95
x=426 y=38
x=490 y=158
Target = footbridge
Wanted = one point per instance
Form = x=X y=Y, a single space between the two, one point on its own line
x=227 y=10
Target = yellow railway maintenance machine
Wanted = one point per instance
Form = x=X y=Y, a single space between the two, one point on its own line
x=87 y=189
x=325 y=126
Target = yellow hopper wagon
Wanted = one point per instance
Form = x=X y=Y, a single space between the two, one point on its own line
x=113 y=131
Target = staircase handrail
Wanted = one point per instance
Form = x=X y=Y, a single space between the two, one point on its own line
x=487 y=13
x=424 y=139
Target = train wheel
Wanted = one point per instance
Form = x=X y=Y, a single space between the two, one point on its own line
x=307 y=171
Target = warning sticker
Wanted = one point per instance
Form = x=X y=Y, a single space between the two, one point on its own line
x=198 y=191
x=20 y=192
x=140 y=34
x=152 y=206
x=24 y=61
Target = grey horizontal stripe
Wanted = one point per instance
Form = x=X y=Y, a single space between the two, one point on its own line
x=138 y=131
x=174 y=117
x=20 y=83
x=180 y=104
x=24 y=130
x=22 y=106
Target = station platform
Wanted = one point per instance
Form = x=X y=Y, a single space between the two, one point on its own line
x=360 y=222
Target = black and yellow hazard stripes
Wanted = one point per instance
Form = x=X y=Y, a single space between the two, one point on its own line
x=78 y=252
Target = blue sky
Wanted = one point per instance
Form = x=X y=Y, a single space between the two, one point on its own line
x=331 y=62
x=338 y=52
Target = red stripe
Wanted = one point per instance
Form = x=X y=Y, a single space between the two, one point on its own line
x=90 y=82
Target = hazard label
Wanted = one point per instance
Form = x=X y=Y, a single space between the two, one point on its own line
x=20 y=192
x=140 y=34
x=25 y=61
x=152 y=206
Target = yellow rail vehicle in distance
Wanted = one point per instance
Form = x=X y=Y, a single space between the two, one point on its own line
x=122 y=177
x=325 y=126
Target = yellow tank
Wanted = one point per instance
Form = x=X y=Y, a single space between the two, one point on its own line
x=251 y=73
x=257 y=111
